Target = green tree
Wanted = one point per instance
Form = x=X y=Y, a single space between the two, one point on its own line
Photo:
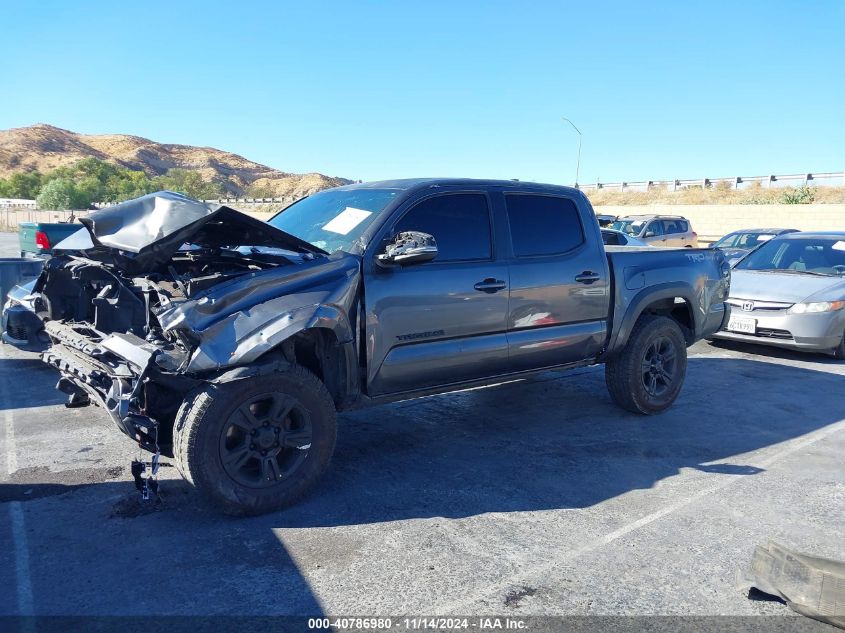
x=94 y=180
x=21 y=185
x=61 y=194
x=189 y=183
x=127 y=184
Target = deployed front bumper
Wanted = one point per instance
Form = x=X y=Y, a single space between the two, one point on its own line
x=107 y=369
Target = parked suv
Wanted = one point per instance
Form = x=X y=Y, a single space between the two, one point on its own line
x=658 y=230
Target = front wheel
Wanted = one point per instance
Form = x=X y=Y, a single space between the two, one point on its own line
x=838 y=352
x=256 y=444
x=647 y=376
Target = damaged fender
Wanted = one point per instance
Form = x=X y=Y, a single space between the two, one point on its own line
x=233 y=329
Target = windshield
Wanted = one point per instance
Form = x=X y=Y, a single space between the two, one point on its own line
x=333 y=220
x=743 y=240
x=811 y=255
x=628 y=227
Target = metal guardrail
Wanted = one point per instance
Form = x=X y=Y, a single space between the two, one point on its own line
x=283 y=199
x=287 y=200
x=837 y=178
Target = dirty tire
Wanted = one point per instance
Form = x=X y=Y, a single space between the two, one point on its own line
x=203 y=425
x=626 y=376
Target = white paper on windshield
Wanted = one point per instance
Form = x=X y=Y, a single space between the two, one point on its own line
x=346 y=220
x=839 y=246
x=764 y=237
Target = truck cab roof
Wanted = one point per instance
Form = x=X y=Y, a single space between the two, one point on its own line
x=409 y=184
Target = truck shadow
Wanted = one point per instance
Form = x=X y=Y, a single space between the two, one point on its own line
x=122 y=557
x=559 y=442
x=553 y=442
x=770 y=351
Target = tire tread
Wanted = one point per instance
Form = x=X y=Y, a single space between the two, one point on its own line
x=192 y=464
x=620 y=372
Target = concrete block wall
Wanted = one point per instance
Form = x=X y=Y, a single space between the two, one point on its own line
x=712 y=221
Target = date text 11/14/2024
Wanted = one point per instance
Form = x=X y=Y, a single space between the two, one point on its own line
x=482 y=623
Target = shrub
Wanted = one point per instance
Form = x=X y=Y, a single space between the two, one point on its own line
x=798 y=195
x=61 y=194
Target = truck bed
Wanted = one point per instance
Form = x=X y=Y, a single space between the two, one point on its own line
x=695 y=278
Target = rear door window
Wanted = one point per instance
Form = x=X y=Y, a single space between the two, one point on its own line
x=671 y=227
x=543 y=225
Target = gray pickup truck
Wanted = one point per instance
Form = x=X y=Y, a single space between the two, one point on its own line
x=230 y=343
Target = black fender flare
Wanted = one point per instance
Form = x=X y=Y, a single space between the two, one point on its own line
x=642 y=300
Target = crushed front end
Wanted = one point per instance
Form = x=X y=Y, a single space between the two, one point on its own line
x=136 y=382
x=167 y=293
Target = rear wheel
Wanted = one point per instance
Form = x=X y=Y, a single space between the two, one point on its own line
x=257 y=444
x=648 y=374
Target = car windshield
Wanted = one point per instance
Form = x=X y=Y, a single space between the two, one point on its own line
x=748 y=240
x=333 y=220
x=808 y=255
x=628 y=227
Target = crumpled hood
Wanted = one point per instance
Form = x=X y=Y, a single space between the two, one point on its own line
x=250 y=289
x=785 y=287
x=238 y=320
x=147 y=231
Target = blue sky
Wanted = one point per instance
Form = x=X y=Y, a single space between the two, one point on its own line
x=372 y=90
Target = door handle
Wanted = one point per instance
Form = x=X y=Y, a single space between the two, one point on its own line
x=490 y=285
x=587 y=277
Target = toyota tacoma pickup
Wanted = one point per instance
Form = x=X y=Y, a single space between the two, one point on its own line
x=229 y=343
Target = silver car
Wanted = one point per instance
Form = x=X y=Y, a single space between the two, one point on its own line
x=737 y=244
x=658 y=230
x=790 y=292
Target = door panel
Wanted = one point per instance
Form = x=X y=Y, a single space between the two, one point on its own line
x=558 y=302
x=547 y=346
x=658 y=238
x=553 y=319
x=672 y=233
x=427 y=325
x=444 y=321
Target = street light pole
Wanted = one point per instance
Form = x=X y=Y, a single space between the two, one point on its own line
x=578 y=164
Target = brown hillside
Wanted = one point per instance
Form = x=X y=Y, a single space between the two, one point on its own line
x=44 y=147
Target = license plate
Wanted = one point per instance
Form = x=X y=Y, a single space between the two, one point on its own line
x=745 y=326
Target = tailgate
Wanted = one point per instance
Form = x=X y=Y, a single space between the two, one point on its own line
x=26 y=237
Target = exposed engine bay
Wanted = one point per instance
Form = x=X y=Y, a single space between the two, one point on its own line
x=77 y=289
x=164 y=293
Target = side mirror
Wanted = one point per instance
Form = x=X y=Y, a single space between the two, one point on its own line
x=649 y=233
x=409 y=247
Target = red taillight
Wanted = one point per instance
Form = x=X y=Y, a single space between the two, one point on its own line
x=41 y=240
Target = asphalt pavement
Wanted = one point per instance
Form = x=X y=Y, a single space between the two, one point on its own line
x=9 y=245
